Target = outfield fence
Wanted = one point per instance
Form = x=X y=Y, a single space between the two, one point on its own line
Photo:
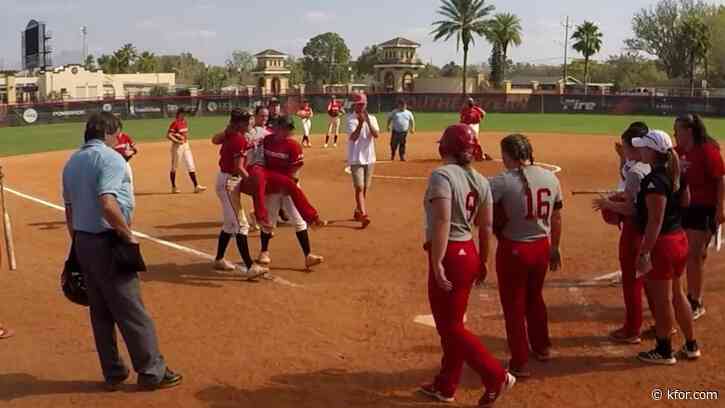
x=162 y=107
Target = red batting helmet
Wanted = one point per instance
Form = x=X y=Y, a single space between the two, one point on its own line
x=359 y=99
x=457 y=139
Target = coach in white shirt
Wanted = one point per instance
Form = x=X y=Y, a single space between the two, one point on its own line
x=362 y=129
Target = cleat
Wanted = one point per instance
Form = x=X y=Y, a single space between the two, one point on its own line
x=690 y=353
x=223 y=265
x=199 y=189
x=264 y=258
x=654 y=357
x=175 y=190
x=490 y=397
x=312 y=260
x=430 y=390
x=620 y=336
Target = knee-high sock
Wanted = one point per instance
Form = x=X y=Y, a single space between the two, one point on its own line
x=304 y=239
x=222 y=245
x=243 y=247
x=265 y=238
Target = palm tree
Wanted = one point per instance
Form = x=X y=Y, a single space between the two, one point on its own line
x=504 y=30
x=126 y=56
x=696 y=34
x=146 y=62
x=464 y=19
x=588 y=42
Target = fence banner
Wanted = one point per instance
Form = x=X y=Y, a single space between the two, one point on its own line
x=142 y=108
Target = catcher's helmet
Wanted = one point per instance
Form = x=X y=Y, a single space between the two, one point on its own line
x=457 y=139
x=72 y=281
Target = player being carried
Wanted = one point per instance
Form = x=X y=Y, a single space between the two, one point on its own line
x=283 y=155
x=178 y=134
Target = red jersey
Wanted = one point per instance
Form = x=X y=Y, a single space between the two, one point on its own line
x=471 y=116
x=703 y=168
x=124 y=145
x=234 y=147
x=283 y=156
x=181 y=127
x=333 y=108
x=306 y=112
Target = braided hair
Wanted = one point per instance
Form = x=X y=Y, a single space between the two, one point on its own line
x=518 y=148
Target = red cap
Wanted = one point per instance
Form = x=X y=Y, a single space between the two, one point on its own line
x=457 y=139
x=359 y=99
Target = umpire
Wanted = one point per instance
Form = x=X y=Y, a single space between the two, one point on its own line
x=99 y=202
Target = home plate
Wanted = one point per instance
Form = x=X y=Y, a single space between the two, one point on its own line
x=427 y=320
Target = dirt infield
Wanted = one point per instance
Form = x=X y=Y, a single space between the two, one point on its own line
x=345 y=334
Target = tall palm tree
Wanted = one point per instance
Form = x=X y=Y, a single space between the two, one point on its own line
x=696 y=34
x=465 y=19
x=146 y=62
x=588 y=42
x=503 y=31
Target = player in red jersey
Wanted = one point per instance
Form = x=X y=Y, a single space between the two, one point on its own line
x=472 y=115
x=458 y=198
x=231 y=166
x=178 y=134
x=334 y=112
x=284 y=155
x=126 y=147
x=305 y=114
x=702 y=166
x=528 y=247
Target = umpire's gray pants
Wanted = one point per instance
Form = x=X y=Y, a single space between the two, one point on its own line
x=115 y=300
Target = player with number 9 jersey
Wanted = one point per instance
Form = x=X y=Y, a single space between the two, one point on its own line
x=530 y=197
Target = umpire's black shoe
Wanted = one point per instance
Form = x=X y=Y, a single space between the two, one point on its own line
x=114 y=383
x=170 y=380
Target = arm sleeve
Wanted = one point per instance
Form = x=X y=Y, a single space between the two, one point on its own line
x=654 y=185
x=558 y=197
x=350 y=124
x=498 y=187
x=111 y=176
x=438 y=187
x=715 y=166
x=296 y=157
x=632 y=182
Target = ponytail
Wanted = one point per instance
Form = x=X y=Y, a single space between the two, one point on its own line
x=673 y=169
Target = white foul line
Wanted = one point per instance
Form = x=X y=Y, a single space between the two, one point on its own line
x=161 y=242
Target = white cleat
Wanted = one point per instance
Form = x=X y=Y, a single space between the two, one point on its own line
x=223 y=265
x=199 y=189
x=175 y=190
x=312 y=260
x=252 y=273
x=264 y=258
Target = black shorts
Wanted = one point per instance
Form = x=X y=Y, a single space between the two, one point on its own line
x=699 y=218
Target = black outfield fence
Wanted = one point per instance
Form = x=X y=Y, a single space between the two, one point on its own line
x=150 y=107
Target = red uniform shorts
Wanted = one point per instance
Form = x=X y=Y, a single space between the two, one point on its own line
x=669 y=256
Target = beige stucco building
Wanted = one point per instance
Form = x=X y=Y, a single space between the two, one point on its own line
x=271 y=73
x=75 y=82
x=399 y=67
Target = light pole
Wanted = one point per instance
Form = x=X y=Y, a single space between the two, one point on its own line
x=84 y=34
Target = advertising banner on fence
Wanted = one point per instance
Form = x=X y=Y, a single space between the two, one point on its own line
x=142 y=108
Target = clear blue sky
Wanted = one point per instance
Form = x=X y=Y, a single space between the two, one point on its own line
x=211 y=29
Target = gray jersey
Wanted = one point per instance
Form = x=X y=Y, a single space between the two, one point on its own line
x=633 y=177
x=467 y=190
x=528 y=212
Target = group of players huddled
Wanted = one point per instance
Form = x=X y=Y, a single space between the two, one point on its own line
x=668 y=206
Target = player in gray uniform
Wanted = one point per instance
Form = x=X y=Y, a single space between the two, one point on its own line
x=528 y=224
x=458 y=198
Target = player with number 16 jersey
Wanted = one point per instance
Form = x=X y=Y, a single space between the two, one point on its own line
x=530 y=198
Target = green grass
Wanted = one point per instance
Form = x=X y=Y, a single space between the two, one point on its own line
x=41 y=138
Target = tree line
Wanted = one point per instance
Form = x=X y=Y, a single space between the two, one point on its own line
x=673 y=39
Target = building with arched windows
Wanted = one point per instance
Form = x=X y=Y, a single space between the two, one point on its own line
x=272 y=74
x=398 y=67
